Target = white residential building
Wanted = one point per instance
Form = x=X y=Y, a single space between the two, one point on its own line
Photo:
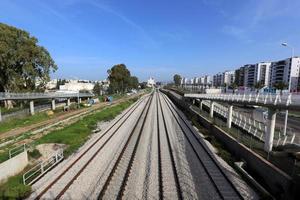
x=249 y=75
x=228 y=78
x=254 y=73
x=52 y=84
x=207 y=80
x=286 y=71
x=77 y=85
x=151 y=82
x=201 y=82
x=217 y=79
x=262 y=73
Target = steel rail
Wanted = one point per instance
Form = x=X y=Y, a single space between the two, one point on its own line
x=170 y=106
x=127 y=174
x=177 y=183
x=160 y=181
x=112 y=172
x=130 y=111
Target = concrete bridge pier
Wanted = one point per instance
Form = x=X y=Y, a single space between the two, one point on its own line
x=212 y=104
x=53 y=104
x=193 y=101
x=201 y=103
x=229 y=117
x=31 y=106
x=68 y=102
x=269 y=136
x=0 y=115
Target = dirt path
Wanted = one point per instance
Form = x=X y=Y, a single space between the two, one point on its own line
x=18 y=131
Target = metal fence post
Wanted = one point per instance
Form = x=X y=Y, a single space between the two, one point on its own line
x=42 y=168
x=0 y=114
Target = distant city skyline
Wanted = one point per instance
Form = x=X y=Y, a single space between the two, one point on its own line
x=157 y=38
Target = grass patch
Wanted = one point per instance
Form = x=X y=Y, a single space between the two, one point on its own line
x=20 y=122
x=75 y=135
x=14 y=188
x=4 y=156
x=11 y=110
x=224 y=154
x=35 y=154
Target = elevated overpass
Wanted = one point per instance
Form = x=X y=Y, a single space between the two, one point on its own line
x=50 y=95
x=36 y=96
x=274 y=103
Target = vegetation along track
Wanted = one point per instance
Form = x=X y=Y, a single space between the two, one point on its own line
x=123 y=117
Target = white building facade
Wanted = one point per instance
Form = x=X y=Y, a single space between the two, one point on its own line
x=286 y=71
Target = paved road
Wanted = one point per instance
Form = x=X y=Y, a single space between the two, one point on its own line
x=150 y=151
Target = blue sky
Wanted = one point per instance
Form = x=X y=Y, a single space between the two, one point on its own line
x=157 y=38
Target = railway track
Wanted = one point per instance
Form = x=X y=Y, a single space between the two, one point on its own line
x=119 y=122
x=157 y=155
x=174 y=168
x=114 y=187
x=218 y=178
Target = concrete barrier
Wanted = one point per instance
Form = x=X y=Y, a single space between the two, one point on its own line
x=13 y=166
x=277 y=182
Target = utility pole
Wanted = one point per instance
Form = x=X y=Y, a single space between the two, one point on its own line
x=289 y=88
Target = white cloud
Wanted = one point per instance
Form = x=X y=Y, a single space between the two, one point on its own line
x=125 y=19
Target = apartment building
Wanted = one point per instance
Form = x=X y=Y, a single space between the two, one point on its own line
x=262 y=73
x=217 y=79
x=286 y=71
x=228 y=78
x=207 y=80
x=240 y=76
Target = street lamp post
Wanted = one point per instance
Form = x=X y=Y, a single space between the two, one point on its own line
x=289 y=88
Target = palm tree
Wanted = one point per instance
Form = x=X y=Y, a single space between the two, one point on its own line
x=258 y=86
x=280 y=86
x=233 y=86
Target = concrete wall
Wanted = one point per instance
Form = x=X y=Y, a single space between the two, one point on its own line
x=278 y=183
x=13 y=166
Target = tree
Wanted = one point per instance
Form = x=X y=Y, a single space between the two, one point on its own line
x=258 y=86
x=143 y=85
x=134 y=82
x=24 y=65
x=119 y=77
x=280 y=86
x=233 y=86
x=97 y=89
x=60 y=82
x=177 y=79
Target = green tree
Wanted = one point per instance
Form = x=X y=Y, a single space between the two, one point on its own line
x=60 y=82
x=258 y=86
x=280 y=86
x=24 y=65
x=177 y=79
x=234 y=86
x=97 y=89
x=143 y=85
x=119 y=77
x=134 y=82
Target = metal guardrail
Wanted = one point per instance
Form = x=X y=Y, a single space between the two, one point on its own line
x=29 y=96
x=40 y=169
x=268 y=100
x=16 y=150
x=253 y=127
